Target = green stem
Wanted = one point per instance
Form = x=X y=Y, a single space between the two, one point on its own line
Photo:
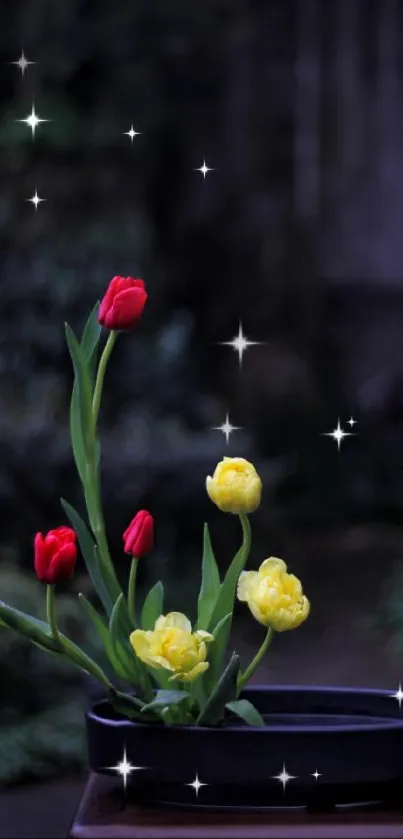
x=132 y=592
x=101 y=375
x=50 y=612
x=245 y=676
x=92 y=489
x=84 y=661
x=247 y=536
x=66 y=647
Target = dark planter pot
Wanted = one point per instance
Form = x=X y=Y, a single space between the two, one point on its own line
x=352 y=738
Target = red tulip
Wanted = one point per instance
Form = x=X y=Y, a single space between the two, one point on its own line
x=55 y=555
x=139 y=536
x=123 y=303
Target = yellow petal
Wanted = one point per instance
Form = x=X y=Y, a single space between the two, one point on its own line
x=258 y=613
x=246 y=580
x=173 y=620
x=140 y=641
x=272 y=565
x=178 y=621
x=192 y=674
x=205 y=636
x=159 y=662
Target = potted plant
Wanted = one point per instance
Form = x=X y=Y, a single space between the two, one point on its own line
x=179 y=716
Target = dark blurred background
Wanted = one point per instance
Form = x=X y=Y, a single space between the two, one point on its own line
x=296 y=106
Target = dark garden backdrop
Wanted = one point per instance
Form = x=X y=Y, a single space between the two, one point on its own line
x=297 y=233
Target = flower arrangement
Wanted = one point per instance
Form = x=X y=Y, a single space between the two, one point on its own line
x=173 y=673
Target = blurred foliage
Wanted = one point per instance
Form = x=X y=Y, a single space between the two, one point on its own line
x=42 y=700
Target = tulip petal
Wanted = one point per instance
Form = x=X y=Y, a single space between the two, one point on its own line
x=190 y=675
x=272 y=565
x=246 y=580
x=204 y=636
x=126 y=309
x=62 y=563
x=141 y=641
x=40 y=557
x=174 y=620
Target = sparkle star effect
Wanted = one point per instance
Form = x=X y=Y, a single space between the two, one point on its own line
x=35 y=200
x=338 y=434
x=227 y=428
x=399 y=696
x=132 y=133
x=204 y=169
x=33 y=120
x=240 y=343
x=284 y=777
x=22 y=63
x=196 y=784
x=316 y=774
x=125 y=768
x=352 y=422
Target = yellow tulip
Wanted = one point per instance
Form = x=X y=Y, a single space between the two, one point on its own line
x=235 y=486
x=274 y=597
x=171 y=645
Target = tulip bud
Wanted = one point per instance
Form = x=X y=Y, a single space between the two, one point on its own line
x=235 y=486
x=139 y=536
x=55 y=555
x=123 y=303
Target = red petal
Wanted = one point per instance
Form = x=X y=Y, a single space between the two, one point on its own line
x=116 y=285
x=108 y=297
x=40 y=557
x=131 y=535
x=65 y=534
x=62 y=564
x=126 y=309
x=147 y=536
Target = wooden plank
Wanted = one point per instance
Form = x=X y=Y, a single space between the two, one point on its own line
x=100 y=816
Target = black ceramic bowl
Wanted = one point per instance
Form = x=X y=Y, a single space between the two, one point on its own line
x=339 y=745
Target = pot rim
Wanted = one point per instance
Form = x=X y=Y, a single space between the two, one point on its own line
x=252 y=690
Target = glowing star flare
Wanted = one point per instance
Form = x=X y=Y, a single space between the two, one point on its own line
x=338 y=434
x=284 y=777
x=227 y=428
x=204 y=169
x=132 y=133
x=316 y=774
x=35 y=200
x=399 y=696
x=22 y=63
x=33 y=121
x=240 y=343
x=196 y=784
x=124 y=768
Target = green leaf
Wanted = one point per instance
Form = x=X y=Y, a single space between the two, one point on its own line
x=153 y=606
x=76 y=437
x=119 y=639
x=224 y=692
x=167 y=697
x=36 y=630
x=83 y=418
x=89 y=346
x=90 y=339
x=90 y=553
x=244 y=709
x=127 y=705
x=210 y=584
x=226 y=597
x=216 y=653
x=40 y=634
x=102 y=631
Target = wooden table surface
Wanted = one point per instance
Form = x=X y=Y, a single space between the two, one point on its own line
x=101 y=816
